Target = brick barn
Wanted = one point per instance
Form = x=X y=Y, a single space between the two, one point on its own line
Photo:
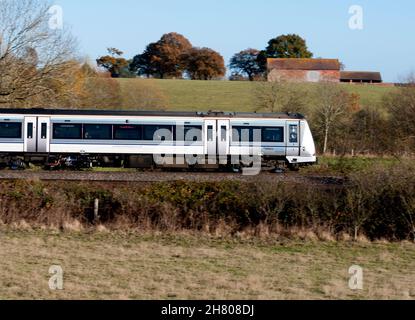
x=303 y=70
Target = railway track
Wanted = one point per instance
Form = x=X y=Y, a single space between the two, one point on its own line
x=153 y=177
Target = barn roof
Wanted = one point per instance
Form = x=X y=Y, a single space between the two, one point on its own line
x=303 y=64
x=360 y=75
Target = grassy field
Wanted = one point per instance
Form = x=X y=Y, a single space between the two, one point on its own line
x=131 y=266
x=184 y=95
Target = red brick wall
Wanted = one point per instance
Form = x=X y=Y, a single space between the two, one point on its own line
x=304 y=75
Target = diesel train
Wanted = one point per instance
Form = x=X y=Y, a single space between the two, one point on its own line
x=141 y=139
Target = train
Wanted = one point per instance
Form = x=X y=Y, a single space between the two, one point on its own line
x=59 y=138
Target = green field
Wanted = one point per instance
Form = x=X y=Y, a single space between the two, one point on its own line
x=186 y=95
x=105 y=265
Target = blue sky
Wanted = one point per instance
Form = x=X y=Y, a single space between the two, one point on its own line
x=385 y=44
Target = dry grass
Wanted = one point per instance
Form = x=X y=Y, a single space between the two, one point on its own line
x=108 y=265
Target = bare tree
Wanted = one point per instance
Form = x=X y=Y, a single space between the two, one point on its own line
x=36 y=61
x=279 y=96
x=332 y=103
x=401 y=106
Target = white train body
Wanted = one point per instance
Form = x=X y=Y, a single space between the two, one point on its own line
x=37 y=133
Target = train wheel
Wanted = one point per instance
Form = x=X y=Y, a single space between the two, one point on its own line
x=278 y=170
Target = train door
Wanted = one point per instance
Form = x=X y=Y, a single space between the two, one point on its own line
x=223 y=140
x=293 y=138
x=43 y=133
x=30 y=136
x=210 y=140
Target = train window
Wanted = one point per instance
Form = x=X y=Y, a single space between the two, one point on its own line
x=158 y=133
x=193 y=133
x=187 y=133
x=293 y=133
x=263 y=134
x=43 y=131
x=67 y=131
x=256 y=134
x=273 y=134
x=223 y=133
x=10 y=130
x=97 y=131
x=127 y=132
x=30 y=130
x=210 y=133
x=241 y=134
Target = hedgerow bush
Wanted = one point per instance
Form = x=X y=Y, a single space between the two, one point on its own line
x=377 y=203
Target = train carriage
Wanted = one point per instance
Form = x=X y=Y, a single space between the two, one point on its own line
x=134 y=138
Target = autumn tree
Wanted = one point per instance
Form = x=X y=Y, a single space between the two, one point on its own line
x=246 y=62
x=203 y=64
x=99 y=91
x=288 y=46
x=113 y=62
x=162 y=59
x=146 y=64
x=36 y=61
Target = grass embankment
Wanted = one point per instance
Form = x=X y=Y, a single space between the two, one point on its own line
x=130 y=266
x=184 y=95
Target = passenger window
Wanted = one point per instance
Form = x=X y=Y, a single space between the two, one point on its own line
x=152 y=133
x=193 y=133
x=97 y=131
x=273 y=134
x=293 y=133
x=10 y=130
x=127 y=132
x=241 y=134
x=67 y=131
x=256 y=135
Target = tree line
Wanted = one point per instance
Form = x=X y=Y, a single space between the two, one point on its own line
x=173 y=56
